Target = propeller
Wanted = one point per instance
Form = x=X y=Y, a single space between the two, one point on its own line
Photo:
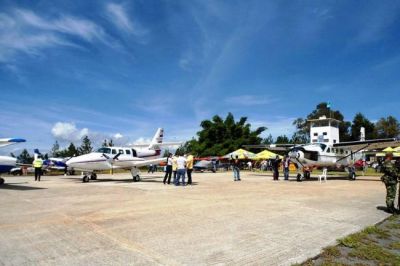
x=111 y=160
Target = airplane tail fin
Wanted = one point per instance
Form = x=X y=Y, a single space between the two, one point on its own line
x=157 y=140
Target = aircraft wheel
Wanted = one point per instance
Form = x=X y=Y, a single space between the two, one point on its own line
x=299 y=177
x=307 y=175
x=85 y=179
x=93 y=176
x=352 y=176
x=1 y=181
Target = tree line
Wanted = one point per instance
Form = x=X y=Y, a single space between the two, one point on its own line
x=219 y=136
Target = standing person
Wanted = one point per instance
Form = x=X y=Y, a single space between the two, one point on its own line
x=168 y=169
x=181 y=170
x=236 y=169
x=189 y=168
x=250 y=165
x=174 y=167
x=286 y=164
x=37 y=164
x=275 y=167
x=389 y=178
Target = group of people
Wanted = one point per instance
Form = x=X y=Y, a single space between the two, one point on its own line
x=179 y=166
x=273 y=163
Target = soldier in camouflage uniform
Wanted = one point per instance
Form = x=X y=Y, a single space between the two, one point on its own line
x=390 y=176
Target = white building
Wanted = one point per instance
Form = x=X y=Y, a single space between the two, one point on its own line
x=324 y=130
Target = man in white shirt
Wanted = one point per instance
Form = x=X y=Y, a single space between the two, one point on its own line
x=181 y=170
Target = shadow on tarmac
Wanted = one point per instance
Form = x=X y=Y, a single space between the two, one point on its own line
x=11 y=186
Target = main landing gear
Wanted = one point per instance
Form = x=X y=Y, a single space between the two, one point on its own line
x=1 y=181
x=352 y=174
x=306 y=175
x=135 y=174
x=92 y=176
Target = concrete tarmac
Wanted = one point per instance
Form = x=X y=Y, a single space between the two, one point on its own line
x=113 y=221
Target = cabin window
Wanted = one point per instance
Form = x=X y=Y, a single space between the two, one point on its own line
x=128 y=152
x=104 y=150
x=324 y=133
x=328 y=150
x=134 y=154
x=315 y=134
x=114 y=151
x=334 y=141
x=341 y=151
x=326 y=140
x=314 y=140
x=121 y=151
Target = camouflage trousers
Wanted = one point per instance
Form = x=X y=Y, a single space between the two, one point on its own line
x=391 y=190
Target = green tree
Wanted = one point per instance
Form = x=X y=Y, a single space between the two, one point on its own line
x=219 y=136
x=55 y=150
x=387 y=127
x=86 y=146
x=104 y=144
x=322 y=109
x=361 y=121
x=268 y=140
x=71 y=151
x=12 y=155
x=282 y=139
x=25 y=157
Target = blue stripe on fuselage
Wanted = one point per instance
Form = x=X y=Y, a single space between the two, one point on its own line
x=6 y=168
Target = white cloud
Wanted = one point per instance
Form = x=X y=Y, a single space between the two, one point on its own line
x=65 y=131
x=118 y=136
x=118 y=15
x=248 y=100
x=24 y=31
x=276 y=126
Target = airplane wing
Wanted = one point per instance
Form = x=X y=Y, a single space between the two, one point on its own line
x=10 y=141
x=368 y=144
x=148 y=162
x=272 y=147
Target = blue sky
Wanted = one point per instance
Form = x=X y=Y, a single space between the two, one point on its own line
x=123 y=68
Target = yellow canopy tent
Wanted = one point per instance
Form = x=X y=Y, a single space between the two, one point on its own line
x=388 y=149
x=265 y=155
x=396 y=154
x=242 y=154
x=397 y=149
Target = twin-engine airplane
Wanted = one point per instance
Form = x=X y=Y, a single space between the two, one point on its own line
x=7 y=162
x=109 y=158
x=326 y=151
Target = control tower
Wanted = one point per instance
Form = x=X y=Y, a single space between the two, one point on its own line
x=324 y=130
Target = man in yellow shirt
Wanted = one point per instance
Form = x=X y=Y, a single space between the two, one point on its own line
x=37 y=164
x=189 y=167
x=174 y=166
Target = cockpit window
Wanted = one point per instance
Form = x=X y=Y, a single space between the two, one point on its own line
x=104 y=150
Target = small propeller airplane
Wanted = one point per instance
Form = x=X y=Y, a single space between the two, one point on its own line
x=325 y=150
x=110 y=158
x=7 y=162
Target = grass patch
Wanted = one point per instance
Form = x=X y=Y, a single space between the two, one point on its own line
x=375 y=253
x=355 y=240
x=395 y=245
x=331 y=252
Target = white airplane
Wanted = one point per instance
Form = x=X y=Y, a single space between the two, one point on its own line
x=109 y=158
x=7 y=162
x=326 y=151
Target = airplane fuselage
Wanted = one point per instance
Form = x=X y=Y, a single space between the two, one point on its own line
x=7 y=163
x=102 y=159
x=323 y=155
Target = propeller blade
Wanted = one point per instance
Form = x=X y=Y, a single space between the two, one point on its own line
x=116 y=156
x=106 y=156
